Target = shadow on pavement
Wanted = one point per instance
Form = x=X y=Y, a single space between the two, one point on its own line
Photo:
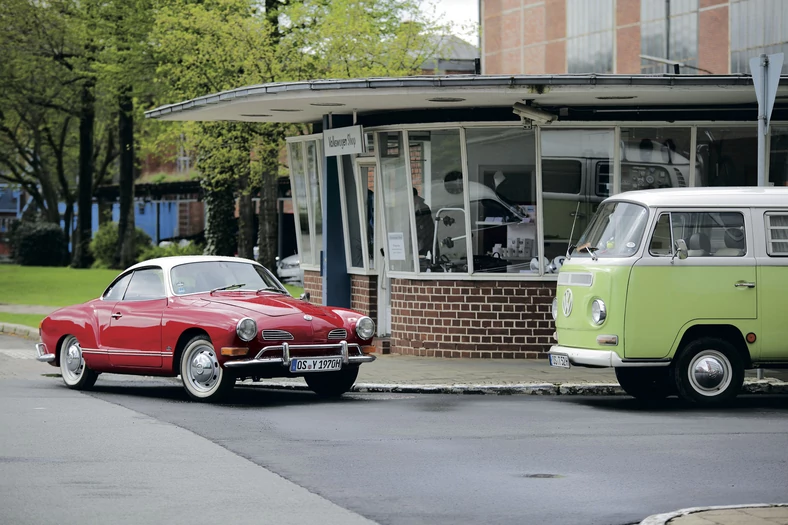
x=240 y=397
x=629 y=404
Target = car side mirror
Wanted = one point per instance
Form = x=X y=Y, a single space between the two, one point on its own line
x=681 y=249
x=305 y=296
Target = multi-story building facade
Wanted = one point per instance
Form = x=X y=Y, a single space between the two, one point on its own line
x=613 y=36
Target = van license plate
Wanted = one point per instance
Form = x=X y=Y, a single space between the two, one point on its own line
x=559 y=360
x=321 y=364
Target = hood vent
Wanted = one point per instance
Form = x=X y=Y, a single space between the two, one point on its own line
x=277 y=335
x=339 y=333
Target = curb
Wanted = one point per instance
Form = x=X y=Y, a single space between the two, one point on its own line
x=763 y=386
x=661 y=519
x=19 y=330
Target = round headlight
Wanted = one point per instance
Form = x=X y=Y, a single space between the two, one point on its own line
x=365 y=328
x=246 y=329
x=598 y=311
x=554 y=309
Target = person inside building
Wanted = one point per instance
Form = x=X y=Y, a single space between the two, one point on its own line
x=425 y=226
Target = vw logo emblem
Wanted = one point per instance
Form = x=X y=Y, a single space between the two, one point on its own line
x=307 y=317
x=567 y=303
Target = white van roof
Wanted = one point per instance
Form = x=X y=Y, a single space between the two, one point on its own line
x=709 y=197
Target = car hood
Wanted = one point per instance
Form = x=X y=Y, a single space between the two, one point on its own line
x=274 y=305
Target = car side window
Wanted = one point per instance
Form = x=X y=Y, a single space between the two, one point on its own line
x=117 y=289
x=660 y=240
x=146 y=285
x=711 y=234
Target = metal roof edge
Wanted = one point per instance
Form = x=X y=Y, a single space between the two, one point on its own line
x=457 y=81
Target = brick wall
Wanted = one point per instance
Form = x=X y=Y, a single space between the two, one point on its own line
x=476 y=319
x=364 y=295
x=313 y=284
x=713 y=44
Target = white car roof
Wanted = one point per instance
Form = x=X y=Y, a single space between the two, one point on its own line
x=749 y=196
x=167 y=263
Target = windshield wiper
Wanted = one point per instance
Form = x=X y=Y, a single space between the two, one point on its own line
x=275 y=290
x=589 y=249
x=228 y=287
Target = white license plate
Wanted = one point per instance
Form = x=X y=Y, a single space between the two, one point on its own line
x=315 y=364
x=559 y=360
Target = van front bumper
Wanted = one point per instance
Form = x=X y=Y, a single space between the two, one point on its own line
x=601 y=358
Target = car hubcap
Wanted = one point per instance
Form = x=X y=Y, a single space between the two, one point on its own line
x=710 y=373
x=71 y=363
x=73 y=358
x=203 y=369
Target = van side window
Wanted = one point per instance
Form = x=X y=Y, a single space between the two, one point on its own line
x=660 y=241
x=777 y=234
x=711 y=234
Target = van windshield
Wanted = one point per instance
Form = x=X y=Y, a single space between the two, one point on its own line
x=616 y=230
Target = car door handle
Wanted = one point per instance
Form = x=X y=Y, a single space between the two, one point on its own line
x=742 y=284
x=117 y=315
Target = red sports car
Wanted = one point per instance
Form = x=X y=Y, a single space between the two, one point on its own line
x=211 y=320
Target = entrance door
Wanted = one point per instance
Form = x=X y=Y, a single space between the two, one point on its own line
x=375 y=231
x=717 y=282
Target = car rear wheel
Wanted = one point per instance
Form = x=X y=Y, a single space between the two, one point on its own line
x=203 y=377
x=645 y=383
x=332 y=384
x=75 y=372
x=709 y=371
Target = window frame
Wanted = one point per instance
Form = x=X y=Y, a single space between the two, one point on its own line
x=300 y=141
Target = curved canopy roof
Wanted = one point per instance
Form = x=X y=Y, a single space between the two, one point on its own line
x=305 y=102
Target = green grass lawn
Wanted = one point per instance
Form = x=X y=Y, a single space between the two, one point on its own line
x=60 y=286
x=24 y=319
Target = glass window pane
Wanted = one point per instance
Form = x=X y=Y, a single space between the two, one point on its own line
x=146 y=285
x=727 y=156
x=502 y=187
x=655 y=158
x=315 y=194
x=396 y=194
x=567 y=215
x=352 y=211
x=661 y=240
x=439 y=204
x=778 y=156
x=299 y=184
x=367 y=178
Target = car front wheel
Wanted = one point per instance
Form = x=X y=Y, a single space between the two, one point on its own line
x=709 y=371
x=645 y=383
x=332 y=384
x=75 y=372
x=203 y=378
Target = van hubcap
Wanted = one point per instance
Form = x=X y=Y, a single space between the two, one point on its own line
x=710 y=372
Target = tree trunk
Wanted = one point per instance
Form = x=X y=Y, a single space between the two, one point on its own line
x=68 y=220
x=87 y=115
x=220 y=238
x=245 y=219
x=125 y=253
x=269 y=220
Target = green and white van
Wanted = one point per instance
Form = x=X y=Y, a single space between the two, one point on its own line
x=679 y=290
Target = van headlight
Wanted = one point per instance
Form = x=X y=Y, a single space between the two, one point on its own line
x=365 y=328
x=598 y=311
x=246 y=329
x=554 y=308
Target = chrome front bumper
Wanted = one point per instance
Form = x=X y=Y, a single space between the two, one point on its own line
x=343 y=347
x=601 y=358
x=42 y=355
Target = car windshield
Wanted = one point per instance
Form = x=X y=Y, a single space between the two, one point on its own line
x=616 y=230
x=205 y=276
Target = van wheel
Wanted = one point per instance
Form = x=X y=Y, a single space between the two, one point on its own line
x=645 y=383
x=709 y=371
x=332 y=384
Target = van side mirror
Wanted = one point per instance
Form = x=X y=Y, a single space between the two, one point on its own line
x=304 y=296
x=681 y=249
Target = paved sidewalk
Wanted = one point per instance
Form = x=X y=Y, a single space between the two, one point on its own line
x=757 y=514
x=27 y=309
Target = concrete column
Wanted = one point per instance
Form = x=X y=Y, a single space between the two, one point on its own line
x=333 y=268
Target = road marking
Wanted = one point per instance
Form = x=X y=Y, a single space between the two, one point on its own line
x=19 y=354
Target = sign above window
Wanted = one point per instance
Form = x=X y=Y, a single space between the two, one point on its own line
x=343 y=141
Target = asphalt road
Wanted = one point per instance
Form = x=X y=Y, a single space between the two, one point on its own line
x=137 y=451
